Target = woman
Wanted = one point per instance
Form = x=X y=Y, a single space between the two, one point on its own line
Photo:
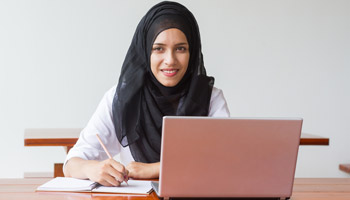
x=163 y=74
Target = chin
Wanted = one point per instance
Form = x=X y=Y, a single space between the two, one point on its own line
x=169 y=84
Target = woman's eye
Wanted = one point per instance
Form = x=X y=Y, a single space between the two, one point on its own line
x=181 y=48
x=157 y=49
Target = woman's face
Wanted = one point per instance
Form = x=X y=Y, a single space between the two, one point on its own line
x=170 y=56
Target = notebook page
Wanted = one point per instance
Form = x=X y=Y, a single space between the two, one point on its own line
x=134 y=187
x=67 y=184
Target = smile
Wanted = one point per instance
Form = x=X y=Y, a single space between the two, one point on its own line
x=169 y=72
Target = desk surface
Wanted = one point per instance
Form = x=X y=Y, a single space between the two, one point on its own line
x=68 y=137
x=304 y=189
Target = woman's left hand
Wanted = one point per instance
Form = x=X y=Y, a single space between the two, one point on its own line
x=140 y=170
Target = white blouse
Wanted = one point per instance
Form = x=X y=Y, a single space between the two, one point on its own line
x=88 y=147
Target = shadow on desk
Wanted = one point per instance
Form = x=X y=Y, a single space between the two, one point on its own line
x=304 y=189
x=225 y=198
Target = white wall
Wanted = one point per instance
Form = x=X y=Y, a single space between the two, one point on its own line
x=271 y=58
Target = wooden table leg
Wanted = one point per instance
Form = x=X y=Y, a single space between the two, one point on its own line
x=58 y=170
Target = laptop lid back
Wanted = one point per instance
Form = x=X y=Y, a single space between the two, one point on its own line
x=228 y=157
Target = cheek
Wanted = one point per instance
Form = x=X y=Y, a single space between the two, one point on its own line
x=185 y=60
x=155 y=60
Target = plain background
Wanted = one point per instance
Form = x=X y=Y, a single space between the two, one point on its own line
x=272 y=58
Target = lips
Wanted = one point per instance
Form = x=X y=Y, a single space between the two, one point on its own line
x=169 y=72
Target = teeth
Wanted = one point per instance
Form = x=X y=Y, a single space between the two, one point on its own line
x=170 y=71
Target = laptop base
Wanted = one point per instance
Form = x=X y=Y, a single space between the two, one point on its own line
x=155 y=186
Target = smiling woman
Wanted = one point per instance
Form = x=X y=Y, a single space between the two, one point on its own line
x=163 y=74
x=169 y=57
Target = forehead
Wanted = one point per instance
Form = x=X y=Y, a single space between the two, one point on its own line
x=171 y=36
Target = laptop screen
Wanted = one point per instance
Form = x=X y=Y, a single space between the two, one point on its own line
x=228 y=157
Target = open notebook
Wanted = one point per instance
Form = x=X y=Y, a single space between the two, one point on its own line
x=77 y=185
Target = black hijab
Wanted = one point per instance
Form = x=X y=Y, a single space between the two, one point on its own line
x=140 y=101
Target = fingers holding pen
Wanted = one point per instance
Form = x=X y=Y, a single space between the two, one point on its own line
x=114 y=168
x=105 y=172
x=119 y=171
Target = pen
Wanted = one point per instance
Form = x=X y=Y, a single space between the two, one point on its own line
x=109 y=155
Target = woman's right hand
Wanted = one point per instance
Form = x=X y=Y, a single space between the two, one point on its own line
x=108 y=172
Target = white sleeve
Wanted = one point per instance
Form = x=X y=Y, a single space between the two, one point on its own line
x=87 y=146
x=218 y=106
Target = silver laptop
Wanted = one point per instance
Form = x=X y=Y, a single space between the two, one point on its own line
x=228 y=157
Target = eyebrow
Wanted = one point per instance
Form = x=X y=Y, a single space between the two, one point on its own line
x=178 y=44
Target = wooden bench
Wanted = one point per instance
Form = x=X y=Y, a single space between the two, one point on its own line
x=345 y=168
x=65 y=137
x=68 y=137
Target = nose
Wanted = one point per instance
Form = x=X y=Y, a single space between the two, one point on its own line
x=170 y=58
